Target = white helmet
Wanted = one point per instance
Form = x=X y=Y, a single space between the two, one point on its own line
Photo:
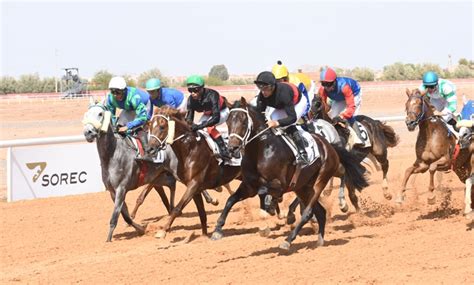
x=117 y=82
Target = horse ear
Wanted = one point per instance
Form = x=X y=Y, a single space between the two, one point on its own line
x=91 y=101
x=408 y=92
x=243 y=102
x=423 y=93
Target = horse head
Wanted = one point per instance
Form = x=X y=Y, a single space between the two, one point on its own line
x=96 y=120
x=417 y=108
x=162 y=127
x=239 y=124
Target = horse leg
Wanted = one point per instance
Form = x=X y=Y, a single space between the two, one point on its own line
x=382 y=159
x=342 y=199
x=328 y=190
x=126 y=216
x=118 y=196
x=417 y=167
x=227 y=187
x=187 y=196
x=290 y=218
x=209 y=199
x=320 y=214
x=234 y=198
x=171 y=184
x=163 y=197
x=115 y=213
x=202 y=213
x=140 y=199
x=321 y=182
x=467 y=196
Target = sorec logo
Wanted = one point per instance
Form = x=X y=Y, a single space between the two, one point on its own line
x=33 y=165
x=55 y=179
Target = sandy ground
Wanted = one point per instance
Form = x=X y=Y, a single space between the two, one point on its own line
x=62 y=240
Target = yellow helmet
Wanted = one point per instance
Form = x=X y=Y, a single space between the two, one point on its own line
x=279 y=70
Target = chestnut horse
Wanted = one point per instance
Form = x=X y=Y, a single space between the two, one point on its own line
x=196 y=167
x=434 y=144
x=268 y=162
x=380 y=135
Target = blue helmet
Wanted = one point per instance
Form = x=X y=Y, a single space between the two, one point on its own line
x=430 y=78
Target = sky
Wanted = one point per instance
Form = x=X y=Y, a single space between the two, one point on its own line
x=189 y=37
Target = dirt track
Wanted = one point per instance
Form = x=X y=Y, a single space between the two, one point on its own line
x=62 y=240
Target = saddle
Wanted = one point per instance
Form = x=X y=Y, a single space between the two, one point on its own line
x=134 y=143
x=310 y=144
x=215 y=149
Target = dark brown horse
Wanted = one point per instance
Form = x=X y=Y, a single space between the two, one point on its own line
x=434 y=143
x=269 y=163
x=381 y=137
x=196 y=167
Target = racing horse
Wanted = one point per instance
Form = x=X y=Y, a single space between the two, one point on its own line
x=381 y=137
x=463 y=158
x=267 y=162
x=196 y=166
x=435 y=144
x=120 y=172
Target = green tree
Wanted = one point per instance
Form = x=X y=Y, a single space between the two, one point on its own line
x=463 y=71
x=214 y=81
x=363 y=74
x=48 y=85
x=152 y=73
x=463 y=61
x=8 y=85
x=130 y=80
x=101 y=79
x=220 y=72
x=29 y=83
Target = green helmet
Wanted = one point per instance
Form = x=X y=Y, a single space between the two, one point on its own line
x=153 y=84
x=195 y=80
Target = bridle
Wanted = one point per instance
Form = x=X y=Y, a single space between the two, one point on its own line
x=418 y=117
x=168 y=139
x=246 y=139
x=99 y=125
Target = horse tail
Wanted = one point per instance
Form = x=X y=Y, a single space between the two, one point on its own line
x=391 y=137
x=354 y=171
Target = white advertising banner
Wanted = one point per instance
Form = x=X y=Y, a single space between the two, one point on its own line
x=54 y=170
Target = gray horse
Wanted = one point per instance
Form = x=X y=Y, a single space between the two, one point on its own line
x=120 y=171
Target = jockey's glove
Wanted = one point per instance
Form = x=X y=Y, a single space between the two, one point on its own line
x=195 y=127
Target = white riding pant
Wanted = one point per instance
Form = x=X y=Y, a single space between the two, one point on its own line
x=337 y=107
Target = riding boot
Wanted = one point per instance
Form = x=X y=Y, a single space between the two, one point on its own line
x=224 y=152
x=302 y=158
x=143 y=137
x=356 y=129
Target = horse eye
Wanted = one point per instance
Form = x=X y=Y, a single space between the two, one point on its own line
x=100 y=114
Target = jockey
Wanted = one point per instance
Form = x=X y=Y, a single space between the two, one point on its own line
x=289 y=107
x=214 y=108
x=442 y=94
x=136 y=110
x=160 y=96
x=345 y=95
x=300 y=80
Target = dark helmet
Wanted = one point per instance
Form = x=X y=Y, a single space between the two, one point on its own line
x=265 y=78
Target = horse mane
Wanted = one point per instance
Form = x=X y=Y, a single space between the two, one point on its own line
x=174 y=114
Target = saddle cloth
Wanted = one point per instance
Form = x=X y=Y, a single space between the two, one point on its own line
x=326 y=130
x=310 y=144
x=215 y=149
x=363 y=133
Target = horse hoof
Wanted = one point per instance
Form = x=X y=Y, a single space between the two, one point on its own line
x=217 y=236
x=215 y=202
x=285 y=245
x=160 y=234
x=327 y=192
x=290 y=219
x=432 y=200
x=344 y=208
x=470 y=215
x=264 y=231
x=399 y=200
x=320 y=241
